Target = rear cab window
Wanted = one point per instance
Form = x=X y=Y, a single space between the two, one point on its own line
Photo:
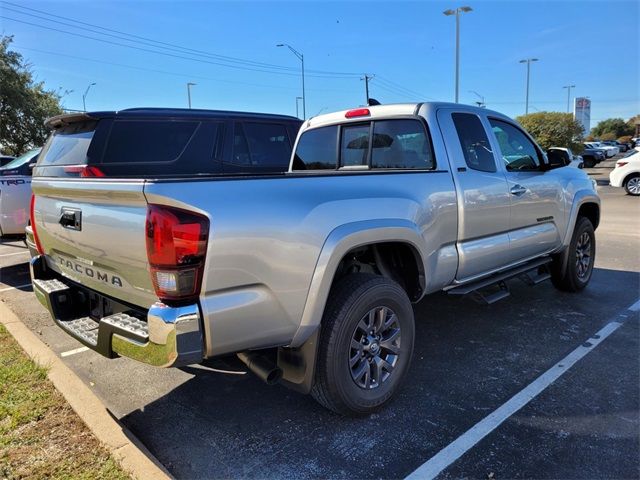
x=398 y=144
x=68 y=145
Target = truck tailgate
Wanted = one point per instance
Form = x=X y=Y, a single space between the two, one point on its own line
x=92 y=231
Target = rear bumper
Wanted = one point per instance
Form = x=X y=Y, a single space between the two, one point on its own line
x=167 y=337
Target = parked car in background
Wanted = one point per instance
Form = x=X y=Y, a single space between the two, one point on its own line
x=614 y=143
x=611 y=150
x=15 y=193
x=566 y=156
x=608 y=151
x=592 y=156
x=626 y=174
x=4 y=159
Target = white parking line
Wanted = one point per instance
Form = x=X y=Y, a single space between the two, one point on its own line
x=74 y=351
x=15 y=253
x=15 y=288
x=471 y=437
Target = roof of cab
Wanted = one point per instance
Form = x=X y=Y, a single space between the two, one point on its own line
x=390 y=110
x=67 y=118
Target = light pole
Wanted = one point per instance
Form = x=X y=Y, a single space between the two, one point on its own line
x=569 y=87
x=457 y=13
x=528 y=62
x=301 y=58
x=84 y=96
x=189 y=85
x=481 y=103
x=297 y=113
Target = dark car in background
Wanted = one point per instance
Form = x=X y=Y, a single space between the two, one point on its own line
x=172 y=142
x=592 y=156
x=4 y=159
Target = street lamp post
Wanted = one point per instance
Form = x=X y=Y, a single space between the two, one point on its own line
x=297 y=112
x=457 y=13
x=569 y=87
x=84 y=96
x=301 y=58
x=189 y=85
x=528 y=62
x=481 y=103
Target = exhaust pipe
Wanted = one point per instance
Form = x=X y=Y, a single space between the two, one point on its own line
x=260 y=364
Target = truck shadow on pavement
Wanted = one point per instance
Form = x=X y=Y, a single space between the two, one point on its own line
x=468 y=360
x=16 y=276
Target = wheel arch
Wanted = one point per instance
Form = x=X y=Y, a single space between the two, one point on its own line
x=337 y=247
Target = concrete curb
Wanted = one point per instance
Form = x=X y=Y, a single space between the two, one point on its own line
x=125 y=448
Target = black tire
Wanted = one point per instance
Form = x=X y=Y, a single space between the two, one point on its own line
x=589 y=163
x=574 y=277
x=350 y=302
x=632 y=180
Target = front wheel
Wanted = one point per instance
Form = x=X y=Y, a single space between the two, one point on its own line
x=576 y=272
x=632 y=185
x=366 y=343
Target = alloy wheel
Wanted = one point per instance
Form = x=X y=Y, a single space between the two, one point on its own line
x=583 y=255
x=375 y=348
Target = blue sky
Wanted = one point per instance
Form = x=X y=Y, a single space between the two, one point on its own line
x=409 y=46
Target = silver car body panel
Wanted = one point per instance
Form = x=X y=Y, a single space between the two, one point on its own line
x=108 y=253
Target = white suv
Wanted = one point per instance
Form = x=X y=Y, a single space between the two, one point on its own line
x=627 y=173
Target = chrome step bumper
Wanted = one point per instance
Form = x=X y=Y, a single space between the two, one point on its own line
x=167 y=337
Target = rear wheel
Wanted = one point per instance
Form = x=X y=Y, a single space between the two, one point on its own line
x=632 y=185
x=366 y=343
x=576 y=272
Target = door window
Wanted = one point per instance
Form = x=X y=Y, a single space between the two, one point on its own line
x=474 y=142
x=518 y=152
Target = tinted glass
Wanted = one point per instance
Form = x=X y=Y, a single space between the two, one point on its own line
x=400 y=144
x=354 y=146
x=268 y=144
x=316 y=149
x=518 y=152
x=240 y=147
x=68 y=146
x=22 y=159
x=147 y=141
x=474 y=142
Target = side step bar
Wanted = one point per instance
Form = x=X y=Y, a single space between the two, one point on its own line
x=532 y=273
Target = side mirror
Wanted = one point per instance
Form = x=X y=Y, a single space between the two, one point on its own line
x=554 y=160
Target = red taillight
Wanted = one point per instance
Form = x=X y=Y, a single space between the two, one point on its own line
x=32 y=218
x=621 y=164
x=84 y=171
x=176 y=249
x=358 y=112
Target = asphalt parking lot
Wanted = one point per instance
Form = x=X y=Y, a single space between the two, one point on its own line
x=469 y=360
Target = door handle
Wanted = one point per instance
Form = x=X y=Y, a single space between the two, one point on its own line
x=71 y=219
x=518 y=190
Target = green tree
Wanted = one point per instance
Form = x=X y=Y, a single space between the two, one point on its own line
x=632 y=125
x=607 y=136
x=615 y=126
x=554 y=129
x=24 y=103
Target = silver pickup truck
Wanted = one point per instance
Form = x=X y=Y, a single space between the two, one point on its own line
x=307 y=275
